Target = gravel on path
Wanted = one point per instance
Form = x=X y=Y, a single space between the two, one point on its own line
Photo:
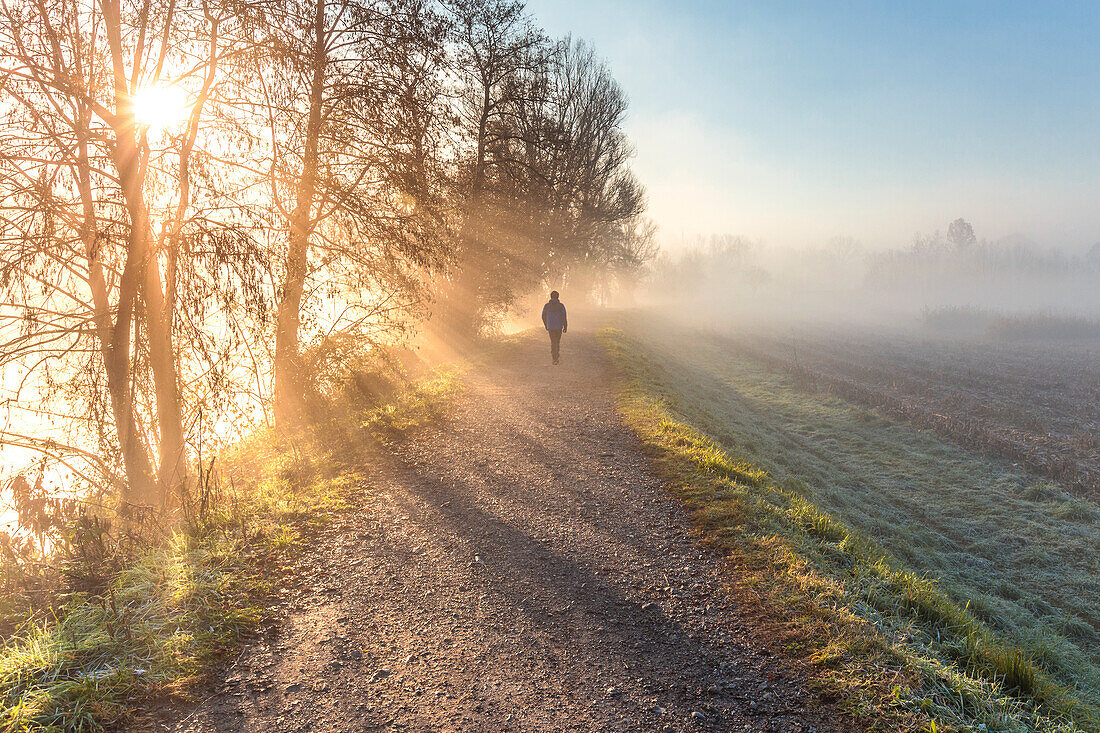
x=517 y=567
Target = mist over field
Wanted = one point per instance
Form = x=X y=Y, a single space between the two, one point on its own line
x=951 y=284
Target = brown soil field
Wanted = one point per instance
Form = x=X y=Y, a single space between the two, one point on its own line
x=1034 y=403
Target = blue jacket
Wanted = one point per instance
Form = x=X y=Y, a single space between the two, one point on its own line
x=553 y=316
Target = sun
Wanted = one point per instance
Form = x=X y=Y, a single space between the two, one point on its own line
x=160 y=108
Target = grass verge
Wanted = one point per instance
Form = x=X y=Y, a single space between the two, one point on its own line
x=181 y=606
x=890 y=646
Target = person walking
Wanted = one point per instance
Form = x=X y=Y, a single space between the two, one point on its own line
x=553 y=317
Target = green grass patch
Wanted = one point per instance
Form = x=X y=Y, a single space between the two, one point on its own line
x=898 y=647
x=420 y=404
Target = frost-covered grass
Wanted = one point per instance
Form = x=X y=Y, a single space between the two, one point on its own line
x=161 y=620
x=884 y=556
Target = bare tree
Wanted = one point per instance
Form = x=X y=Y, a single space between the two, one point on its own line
x=960 y=233
x=496 y=50
x=596 y=191
x=631 y=252
x=353 y=115
x=83 y=255
x=563 y=190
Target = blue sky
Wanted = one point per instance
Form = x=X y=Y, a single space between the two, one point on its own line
x=794 y=122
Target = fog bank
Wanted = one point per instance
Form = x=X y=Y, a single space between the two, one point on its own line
x=952 y=283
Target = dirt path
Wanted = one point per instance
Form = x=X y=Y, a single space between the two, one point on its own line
x=518 y=568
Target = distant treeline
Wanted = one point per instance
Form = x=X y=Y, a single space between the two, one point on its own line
x=197 y=196
x=959 y=253
x=959 y=321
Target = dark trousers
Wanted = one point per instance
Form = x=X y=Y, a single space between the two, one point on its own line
x=555 y=343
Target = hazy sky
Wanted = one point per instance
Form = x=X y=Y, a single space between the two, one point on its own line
x=798 y=121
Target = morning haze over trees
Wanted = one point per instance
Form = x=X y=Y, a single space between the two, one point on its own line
x=198 y=193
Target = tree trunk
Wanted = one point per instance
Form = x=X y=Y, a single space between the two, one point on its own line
x=171 y=468
x=114 y=339
x=289 y=384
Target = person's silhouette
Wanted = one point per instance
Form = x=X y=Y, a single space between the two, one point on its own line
x=553 y=317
